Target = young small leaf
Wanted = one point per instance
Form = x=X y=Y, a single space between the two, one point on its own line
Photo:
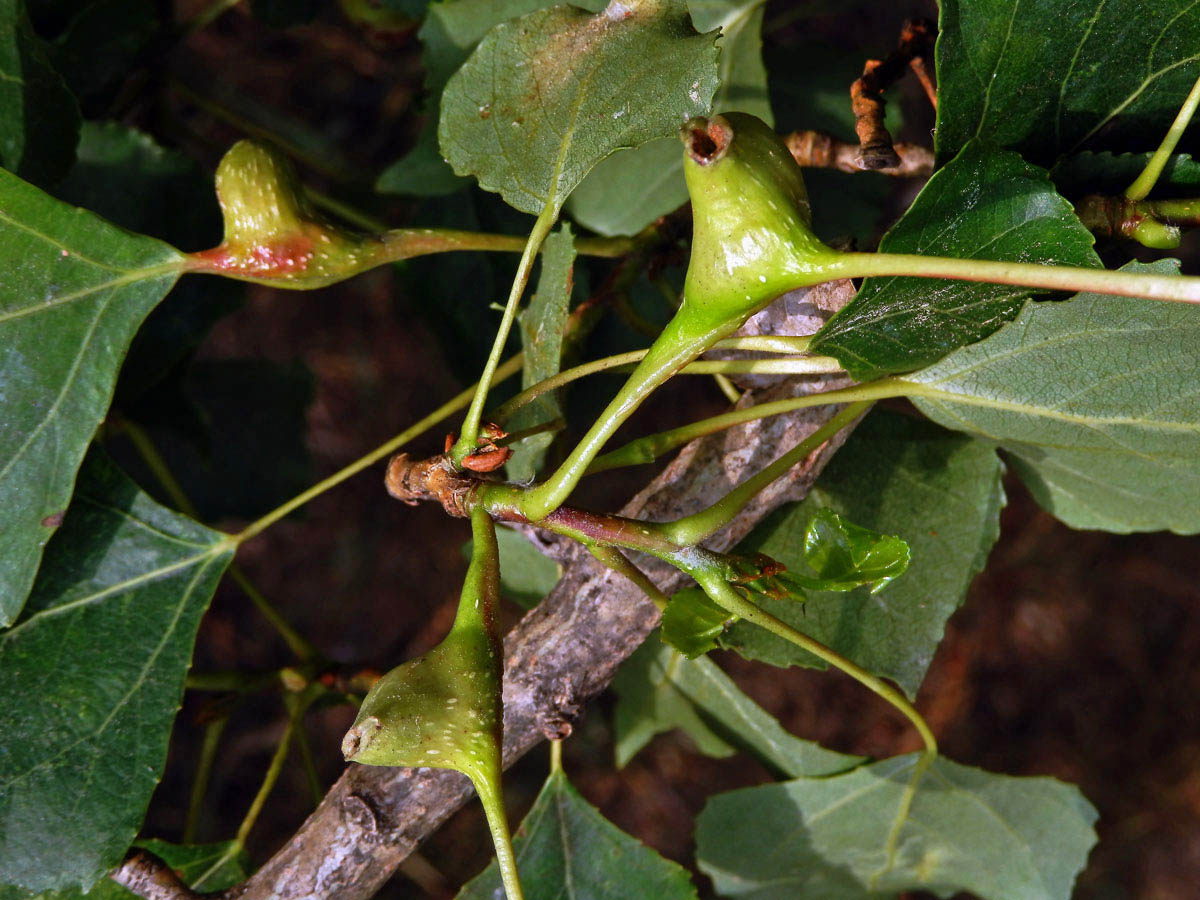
x=567 y=850
x=984 y=204
x=844 y=556
x=1096 y=399
x=691 y=623
x=938 y=491
x=853 y=836
x=86 y=728
x=75 y=291
x=545 y=97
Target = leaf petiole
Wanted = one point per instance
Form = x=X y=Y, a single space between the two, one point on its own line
x=466 y=443
x=1179 y=288
x=508 y=368
x=1144 y=183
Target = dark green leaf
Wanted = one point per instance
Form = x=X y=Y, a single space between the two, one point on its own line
x=1049 y=78
x=850 y=836
x=659 y=689
x=546 y=97
x=124 y=176
x=39 y=119
x=205 y=867
x=938 y=491
x=566 y=850
x=844 y=556
x=1096 y=399
x=649 y=703
x=232 y=431
x=543 y=327
x=93 y=673
x=75 y=290
x=985 y=204
x=632 y=188
x=1091 y=173
x=102 y=43
x=691 y=623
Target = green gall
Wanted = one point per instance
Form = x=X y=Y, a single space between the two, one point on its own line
x=752 y=237
x=443 y=709
x=272 y=232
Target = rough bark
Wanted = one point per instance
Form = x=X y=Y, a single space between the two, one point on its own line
x=563 y=653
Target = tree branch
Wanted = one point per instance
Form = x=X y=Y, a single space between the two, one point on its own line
x=561 y=655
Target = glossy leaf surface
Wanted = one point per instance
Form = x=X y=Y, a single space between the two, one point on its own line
x=691 y=623
x=659 y=689
x=985 y=204
x=546 y=97
x=39 y=119
x=566 y=850
x=1048 y=78
x=630 y=189
x=94 y=673
x=1097 y=401
x=843 y=556
x=938 y=491
x=849 y=836
x=74 y=292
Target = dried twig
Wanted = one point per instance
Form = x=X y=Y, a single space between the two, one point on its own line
x=866 y=94
x=148 y=876
x=818 y=150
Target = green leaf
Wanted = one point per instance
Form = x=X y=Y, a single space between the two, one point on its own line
x=216 y=423
x=566 y=850
x=632 y=188
x=75 y=291
x=845 y=556
x=985 y=204
x=691 y=623
x=102 y=44
x=39 y=119
x=124 y=176
x=546 y=97
x=1097 y=400
x=1048 y=78
x=526 y=575
x=543 y=327
x=938 y=491
x=94 y=674
x=849 y=836
x=450 y=32
x=1106 y=172
x=204 y=867
x=659 y=689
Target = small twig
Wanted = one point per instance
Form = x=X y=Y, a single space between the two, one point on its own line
x=818 y=150
x=148 y=876
x=866 y=94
